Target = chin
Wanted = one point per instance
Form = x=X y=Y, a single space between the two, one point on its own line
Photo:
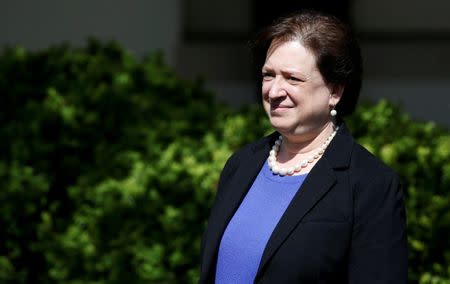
x=292 y=129
x=281 y=126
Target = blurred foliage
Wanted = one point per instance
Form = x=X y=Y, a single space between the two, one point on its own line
x=109 y=166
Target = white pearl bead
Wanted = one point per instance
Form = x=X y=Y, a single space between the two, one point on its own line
x=290 y=171
x=275 y=169
x=303 y=164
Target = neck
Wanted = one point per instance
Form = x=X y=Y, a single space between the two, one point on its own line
x=291 y=163
x=299 y=145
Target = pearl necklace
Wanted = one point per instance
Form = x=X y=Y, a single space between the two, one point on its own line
x=303 y=163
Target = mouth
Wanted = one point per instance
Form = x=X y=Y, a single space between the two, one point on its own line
x=277 y=107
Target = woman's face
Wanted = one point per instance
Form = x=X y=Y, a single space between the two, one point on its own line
x=295 y=95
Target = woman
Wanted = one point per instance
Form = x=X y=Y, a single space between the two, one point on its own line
x=306 y=204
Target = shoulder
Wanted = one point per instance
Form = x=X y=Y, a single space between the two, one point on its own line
x=365 y=172
x=245 y=152
x=374 y=184
x=367 y=166
x=346 y=153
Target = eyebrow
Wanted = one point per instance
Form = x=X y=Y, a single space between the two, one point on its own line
x=288 y=71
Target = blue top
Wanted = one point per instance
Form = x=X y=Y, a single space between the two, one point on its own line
x=248 y=232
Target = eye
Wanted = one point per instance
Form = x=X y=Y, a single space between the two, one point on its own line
x=267 y=76
x=295 y=79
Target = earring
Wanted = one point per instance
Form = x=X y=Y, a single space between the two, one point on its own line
x=333 y=112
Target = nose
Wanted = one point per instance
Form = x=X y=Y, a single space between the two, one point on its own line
x=277 y=89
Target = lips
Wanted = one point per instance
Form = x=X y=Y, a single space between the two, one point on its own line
x=275 y=107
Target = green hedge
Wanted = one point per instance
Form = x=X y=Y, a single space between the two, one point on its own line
x=109 y=167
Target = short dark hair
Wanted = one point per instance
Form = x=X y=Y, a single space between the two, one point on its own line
x=337 y=52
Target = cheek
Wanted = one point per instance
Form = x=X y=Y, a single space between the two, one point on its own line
x=265 y=89
x=297 y=94
x=319 y=96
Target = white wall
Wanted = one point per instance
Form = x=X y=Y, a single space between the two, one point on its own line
x=218 y=15
x=414 y=73
x=139 y=25
x=411 y=65
x=404 y=15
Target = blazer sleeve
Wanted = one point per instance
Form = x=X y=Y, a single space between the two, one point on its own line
x=378 y=252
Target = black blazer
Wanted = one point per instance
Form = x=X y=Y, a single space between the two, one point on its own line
x=346 y=224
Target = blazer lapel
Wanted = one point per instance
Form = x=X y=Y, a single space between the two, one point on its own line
x=318 y=182
x=233 y=195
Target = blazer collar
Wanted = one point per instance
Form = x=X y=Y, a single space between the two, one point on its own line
x=338 y=153
x=319 y=181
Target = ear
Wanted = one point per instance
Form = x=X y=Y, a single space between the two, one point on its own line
x=336 y=92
